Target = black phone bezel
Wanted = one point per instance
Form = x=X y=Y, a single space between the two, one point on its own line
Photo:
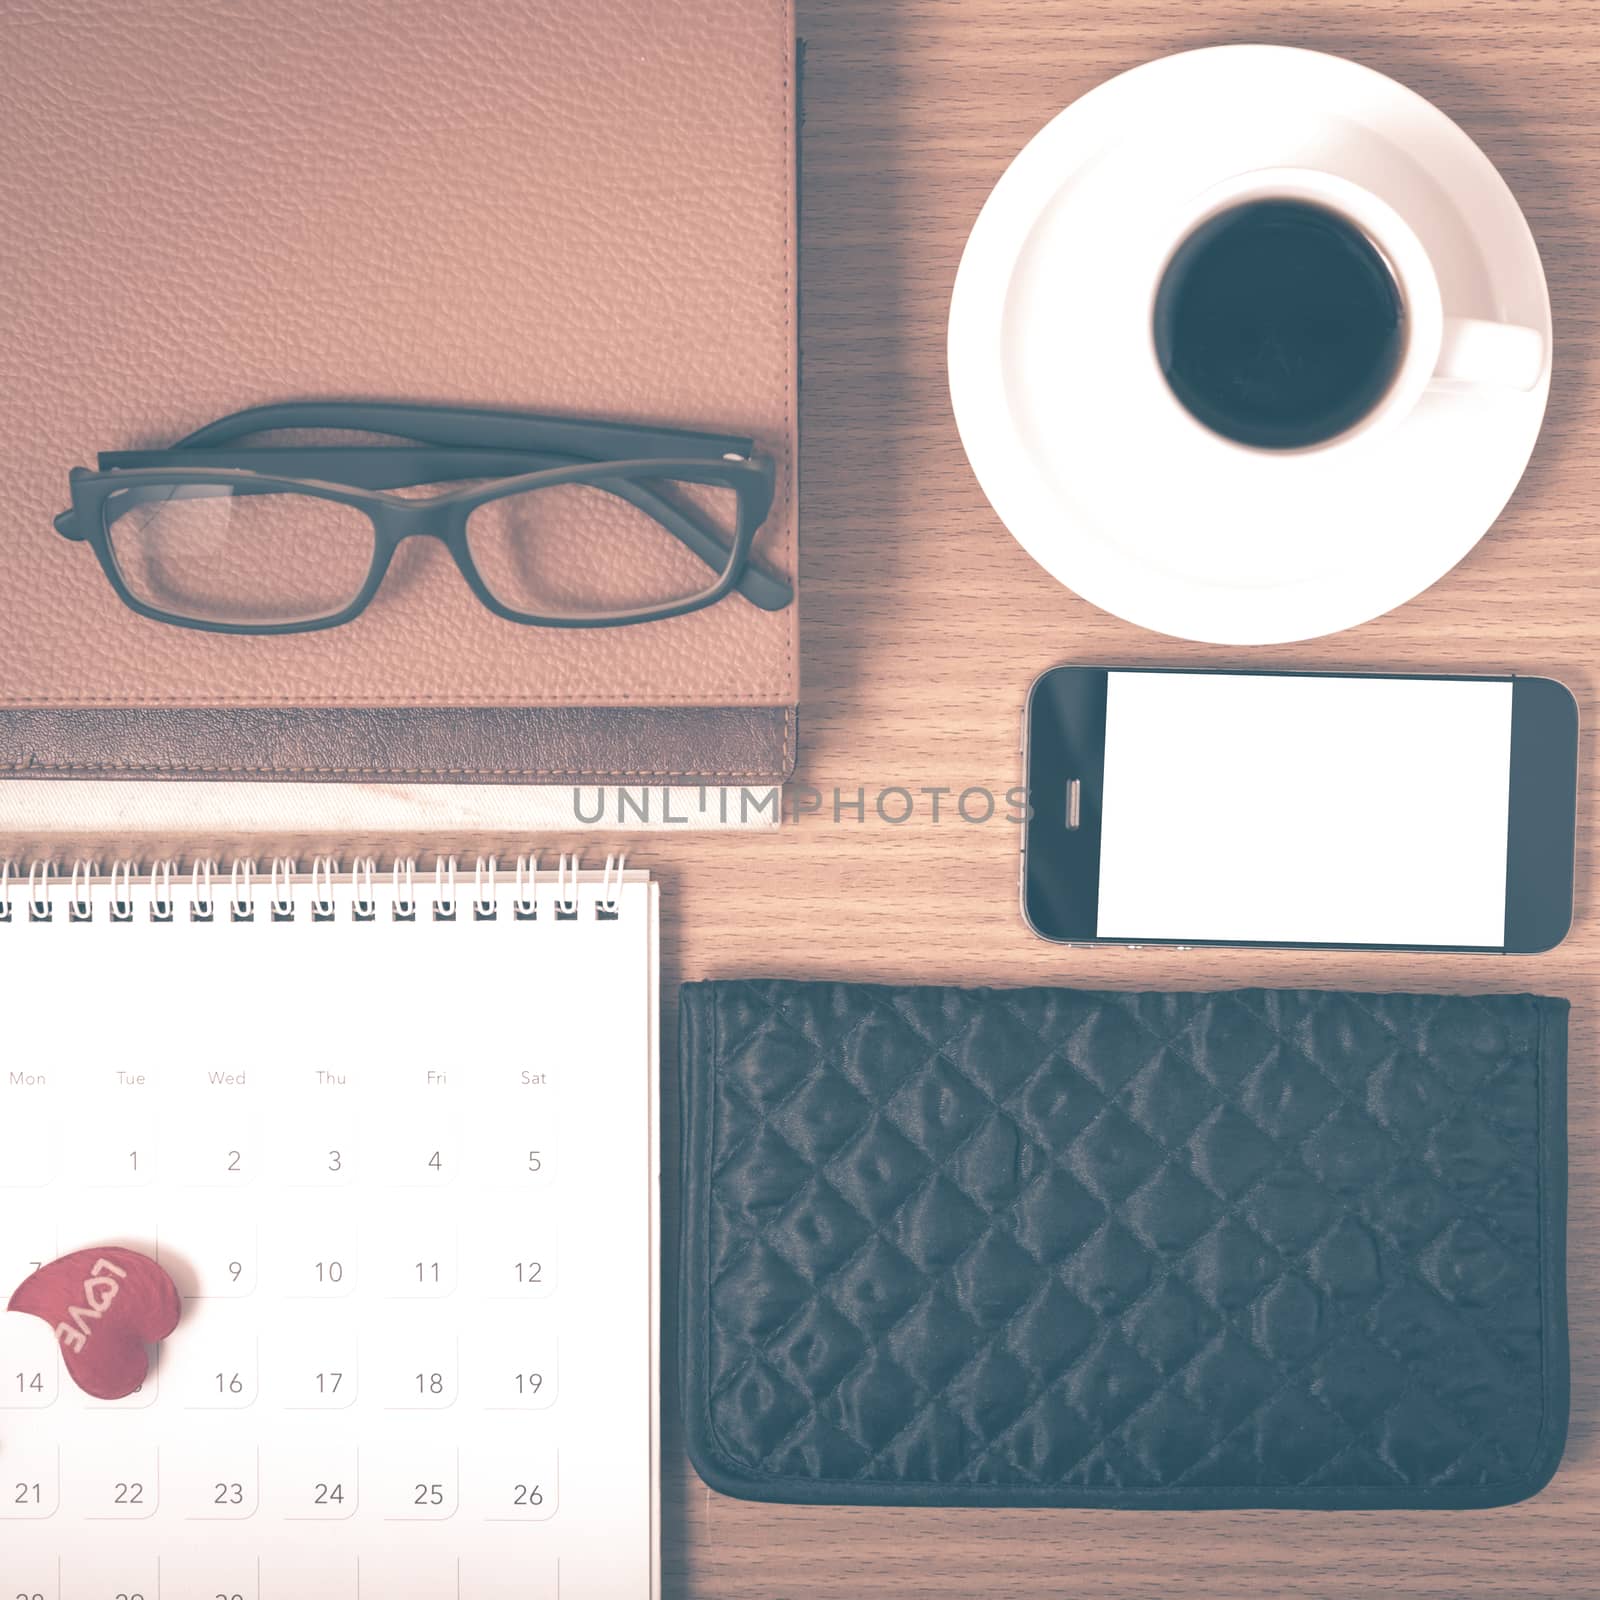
x=1064 y=739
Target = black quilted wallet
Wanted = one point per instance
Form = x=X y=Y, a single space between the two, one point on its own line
x=1046 y=1247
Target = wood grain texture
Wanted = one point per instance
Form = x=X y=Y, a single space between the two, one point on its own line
x=923 y=625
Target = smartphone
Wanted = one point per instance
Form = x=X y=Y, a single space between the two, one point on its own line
x=1299 y=809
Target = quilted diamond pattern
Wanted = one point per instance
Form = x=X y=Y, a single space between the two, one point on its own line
x=1048 y=1246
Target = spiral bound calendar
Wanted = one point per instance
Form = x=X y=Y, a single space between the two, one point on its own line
x=395 y=1138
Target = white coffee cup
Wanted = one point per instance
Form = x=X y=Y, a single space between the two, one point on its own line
x=1438 y=349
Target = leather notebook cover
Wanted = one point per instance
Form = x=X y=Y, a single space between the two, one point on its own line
x=1055 y=1248
x=580 y=207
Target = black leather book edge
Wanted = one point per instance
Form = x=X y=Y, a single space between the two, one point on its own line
x=402 y=744
x=725 y=1474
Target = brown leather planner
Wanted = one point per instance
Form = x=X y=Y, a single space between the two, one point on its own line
x=572 y=207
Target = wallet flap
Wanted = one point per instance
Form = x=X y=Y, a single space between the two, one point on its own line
x=1050 y=1247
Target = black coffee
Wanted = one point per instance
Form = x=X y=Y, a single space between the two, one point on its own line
x=1278 y=324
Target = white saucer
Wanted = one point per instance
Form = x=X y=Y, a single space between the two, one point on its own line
x=1172 y=528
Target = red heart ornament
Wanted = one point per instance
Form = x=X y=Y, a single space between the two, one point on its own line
x=105 y=1305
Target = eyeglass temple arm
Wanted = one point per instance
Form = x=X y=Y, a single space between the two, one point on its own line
x=462 y=426
x=508 y=430
x=760 y=588
x=66 y=522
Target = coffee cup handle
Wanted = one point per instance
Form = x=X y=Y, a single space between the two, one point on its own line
x=1495 y=354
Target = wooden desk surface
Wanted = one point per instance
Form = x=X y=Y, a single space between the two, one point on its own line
x=924 y=624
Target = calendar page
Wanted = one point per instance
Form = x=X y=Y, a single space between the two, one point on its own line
x=404 y=1174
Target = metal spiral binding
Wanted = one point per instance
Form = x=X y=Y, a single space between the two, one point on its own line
x=241 y=900
x=485 y=902
x=567 y=890
x=282 y=890
x=405 y=907
x=524 y=907
x=444 y=889
x=39 y=891
x=607 y=907
x=202 y=905
x=79 y=906
x=79 y=891
x=122 y=891
x=161 y=902
x=364 y=900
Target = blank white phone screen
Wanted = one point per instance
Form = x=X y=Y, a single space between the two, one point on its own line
x=1304 y=809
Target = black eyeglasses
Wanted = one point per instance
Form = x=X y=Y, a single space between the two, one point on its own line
x=561 y=524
